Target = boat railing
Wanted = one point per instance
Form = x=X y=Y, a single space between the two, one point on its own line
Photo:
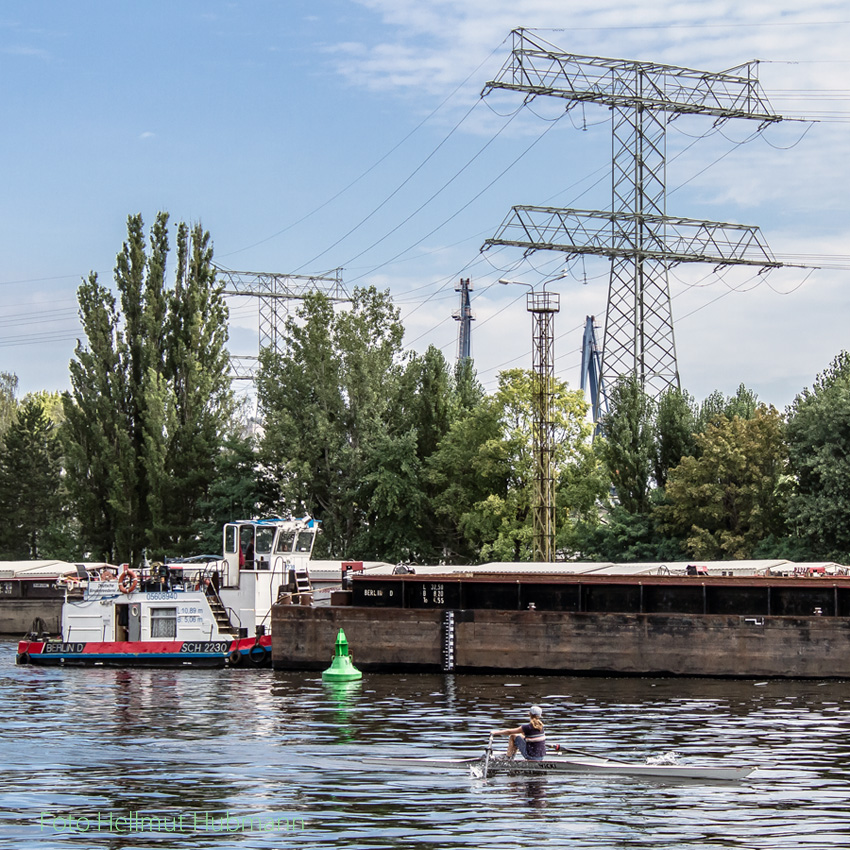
x=195 y=574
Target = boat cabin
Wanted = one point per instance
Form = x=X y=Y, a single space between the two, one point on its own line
x=264 y=558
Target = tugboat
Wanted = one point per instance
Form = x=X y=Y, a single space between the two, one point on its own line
x=202 y=612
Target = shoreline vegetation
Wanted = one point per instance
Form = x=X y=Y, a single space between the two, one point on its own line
x=400 y=455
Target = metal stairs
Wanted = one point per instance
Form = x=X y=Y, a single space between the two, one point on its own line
x=222 y=618
x=301 y=576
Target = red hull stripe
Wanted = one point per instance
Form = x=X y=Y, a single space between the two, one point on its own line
x=163 y=647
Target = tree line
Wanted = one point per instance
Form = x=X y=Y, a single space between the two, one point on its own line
x=400 y=455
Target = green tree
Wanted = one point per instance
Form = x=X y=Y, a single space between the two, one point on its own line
x=430 y=399
x=622 y=537
x=237 y=490
x=628 y=445
x=493 y=446
x=326 y=403
x=8 y=404
x=30 y=480
x=150 y=397
x=469 y=465
x=717 y=406
x=676 y=423
x=196 y=394
x=818 y=434
x=733 y=494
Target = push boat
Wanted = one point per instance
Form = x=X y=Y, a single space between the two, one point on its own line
x=484 y=766
x=201 y=612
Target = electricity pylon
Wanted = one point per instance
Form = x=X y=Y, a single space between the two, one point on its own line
x=638 y=236
x=275 y=291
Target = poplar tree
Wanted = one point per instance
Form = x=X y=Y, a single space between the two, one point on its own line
x=8 y=404
x=30 y=480
x=628 y=448
x=150 y=396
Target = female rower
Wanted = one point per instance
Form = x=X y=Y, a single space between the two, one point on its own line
x=529 y=739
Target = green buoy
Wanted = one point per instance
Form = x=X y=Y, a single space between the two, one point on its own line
x=342 y=669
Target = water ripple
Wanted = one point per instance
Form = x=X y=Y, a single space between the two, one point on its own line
x=257 y=759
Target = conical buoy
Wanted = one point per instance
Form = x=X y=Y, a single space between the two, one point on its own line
x=342 y=669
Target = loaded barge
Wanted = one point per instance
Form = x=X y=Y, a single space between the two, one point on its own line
x=792 y=622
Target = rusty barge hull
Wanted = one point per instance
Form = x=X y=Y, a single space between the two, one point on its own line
x=794 y=628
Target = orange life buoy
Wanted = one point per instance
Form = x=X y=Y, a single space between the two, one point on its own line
x=128 y=581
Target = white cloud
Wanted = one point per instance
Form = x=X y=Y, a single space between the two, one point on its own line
x=24 y=50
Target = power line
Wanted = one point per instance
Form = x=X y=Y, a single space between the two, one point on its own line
x=375 y=164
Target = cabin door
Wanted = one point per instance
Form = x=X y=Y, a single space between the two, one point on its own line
x=134 y=621
x=121 y=614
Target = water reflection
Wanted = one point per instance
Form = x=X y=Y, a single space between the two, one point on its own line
x=263 y=743
x=344 y=696
x=531 y=790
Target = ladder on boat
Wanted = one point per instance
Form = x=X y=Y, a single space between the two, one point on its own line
x=300 y=576
x=222 y=619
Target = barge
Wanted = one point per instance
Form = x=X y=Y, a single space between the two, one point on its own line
x=784 y=620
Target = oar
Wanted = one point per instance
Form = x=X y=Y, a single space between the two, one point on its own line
x=560 y=748
x=487 y=755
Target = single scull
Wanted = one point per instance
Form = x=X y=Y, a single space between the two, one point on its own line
x=490 y=766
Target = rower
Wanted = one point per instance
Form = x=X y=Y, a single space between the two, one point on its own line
x=529 y=738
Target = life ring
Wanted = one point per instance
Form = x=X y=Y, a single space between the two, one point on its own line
x=257 y=655
x=128 y=581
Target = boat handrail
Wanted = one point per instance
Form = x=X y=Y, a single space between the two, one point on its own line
x=231 y=613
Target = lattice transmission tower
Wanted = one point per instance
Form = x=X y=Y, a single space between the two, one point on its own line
x=275 y=292
x=638 y=236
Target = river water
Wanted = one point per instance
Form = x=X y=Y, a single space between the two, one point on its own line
x=102 y=758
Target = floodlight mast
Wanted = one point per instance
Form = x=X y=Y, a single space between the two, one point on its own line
x=638 y=236
x=543 y=306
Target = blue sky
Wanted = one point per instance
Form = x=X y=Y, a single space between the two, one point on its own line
x=307 y=136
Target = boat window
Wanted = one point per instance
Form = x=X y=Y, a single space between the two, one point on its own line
x=163 y=622
x=284 y=541
x=305 y=541
x=231 y=537
x=265 y=535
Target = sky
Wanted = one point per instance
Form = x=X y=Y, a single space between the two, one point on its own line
x=313 y=135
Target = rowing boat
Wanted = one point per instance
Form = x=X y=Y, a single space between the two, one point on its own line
x=492 y=766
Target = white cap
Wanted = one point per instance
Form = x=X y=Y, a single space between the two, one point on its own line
x=536 y=710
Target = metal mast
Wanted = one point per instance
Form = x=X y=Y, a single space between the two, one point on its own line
x=275 y=291
x=638 y=236
x=543 y=306
x=466 y=317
